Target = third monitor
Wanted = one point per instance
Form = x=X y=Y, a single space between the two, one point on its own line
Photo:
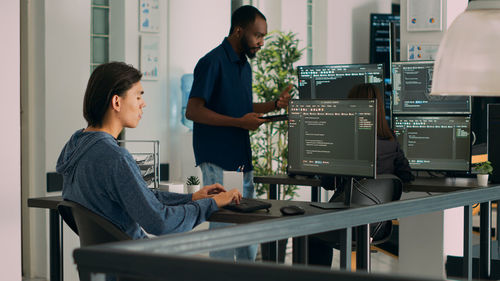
x=411 y=88
x=435 y=143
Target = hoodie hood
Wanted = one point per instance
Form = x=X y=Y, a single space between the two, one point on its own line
x=79 y=143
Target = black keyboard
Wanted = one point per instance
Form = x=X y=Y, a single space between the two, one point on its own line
x=248 y=205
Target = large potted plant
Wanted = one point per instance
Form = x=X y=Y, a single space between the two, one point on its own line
x=483 y=169
x=273 y=72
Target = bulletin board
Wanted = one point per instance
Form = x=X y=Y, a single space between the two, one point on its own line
x=149 y=16
x=150 y=57
x=424 y=15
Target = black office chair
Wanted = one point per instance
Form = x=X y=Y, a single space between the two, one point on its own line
x=385 y=188
x=91 y=228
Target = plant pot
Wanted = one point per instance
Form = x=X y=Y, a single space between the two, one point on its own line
x=192 y=188
x=482 y=179
x=163 y=187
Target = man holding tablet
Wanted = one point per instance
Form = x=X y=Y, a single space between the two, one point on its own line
x=222 y=109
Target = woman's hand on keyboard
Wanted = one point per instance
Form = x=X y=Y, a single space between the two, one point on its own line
x=208 y=191
x=224 y=198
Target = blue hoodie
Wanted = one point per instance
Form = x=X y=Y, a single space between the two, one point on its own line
x=103 y=177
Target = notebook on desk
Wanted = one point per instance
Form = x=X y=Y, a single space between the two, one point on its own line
x=248 y=205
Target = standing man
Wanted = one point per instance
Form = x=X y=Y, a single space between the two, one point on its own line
x=222 y=108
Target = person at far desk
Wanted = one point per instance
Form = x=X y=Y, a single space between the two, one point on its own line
x=222 y=108
x=390 y=160
x=103 y=177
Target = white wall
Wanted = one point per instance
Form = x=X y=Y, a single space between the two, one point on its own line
x=294 y=19
x=67 y=66
x=342 y=30
x=195 y=28
x=451 y=9
x=287 y=16
x=67 y=69
x=10 y=169
x=153 y=124
x=33 y=136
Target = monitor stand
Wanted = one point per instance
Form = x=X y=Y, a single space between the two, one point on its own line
x=338 y=205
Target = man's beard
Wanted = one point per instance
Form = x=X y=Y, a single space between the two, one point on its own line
x=247 y=50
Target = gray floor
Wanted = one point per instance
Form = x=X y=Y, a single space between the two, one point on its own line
x=382 y=262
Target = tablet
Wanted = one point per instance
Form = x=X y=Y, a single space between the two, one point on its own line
x=274 y=118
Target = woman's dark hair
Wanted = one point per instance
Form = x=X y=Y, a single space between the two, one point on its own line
x=370 y=91
x=243 y=16
x=107 y=80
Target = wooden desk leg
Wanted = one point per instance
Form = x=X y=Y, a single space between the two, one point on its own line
x=300 y=250
x=485 y=241
x=467 y=261
x=345 y=248
x=315 y=194
x=55 y=246
x=363 y=248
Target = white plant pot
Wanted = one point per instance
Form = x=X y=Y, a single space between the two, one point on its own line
x=163 y=187
x=192 y=188
x=482 y=179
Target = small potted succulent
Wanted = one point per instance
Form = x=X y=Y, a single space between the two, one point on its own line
x=483 y=170
x=192 y=184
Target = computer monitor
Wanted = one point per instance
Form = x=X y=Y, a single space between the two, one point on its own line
x=494 y=140
x=335 y=81
x=332 y=137
x=439 y=143
x=380 y=40
x=411 y=87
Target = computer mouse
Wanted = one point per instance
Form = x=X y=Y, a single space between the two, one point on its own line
x=292 y=210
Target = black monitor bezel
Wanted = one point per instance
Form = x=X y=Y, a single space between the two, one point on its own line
x=443 y=115
x=426 y=112
x=306 y=173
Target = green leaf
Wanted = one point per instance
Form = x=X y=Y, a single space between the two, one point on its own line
x=273 y=71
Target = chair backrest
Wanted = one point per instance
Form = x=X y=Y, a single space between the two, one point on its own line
x=91 y=228
x=385 y=188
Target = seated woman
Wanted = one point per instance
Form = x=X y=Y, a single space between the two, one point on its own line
x=103 y=177
x=390 y=160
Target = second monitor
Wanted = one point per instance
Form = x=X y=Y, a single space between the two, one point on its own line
x=332 y=137
x=335 y=81
x=411 y=87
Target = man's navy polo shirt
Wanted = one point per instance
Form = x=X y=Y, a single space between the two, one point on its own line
x=224 y=81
